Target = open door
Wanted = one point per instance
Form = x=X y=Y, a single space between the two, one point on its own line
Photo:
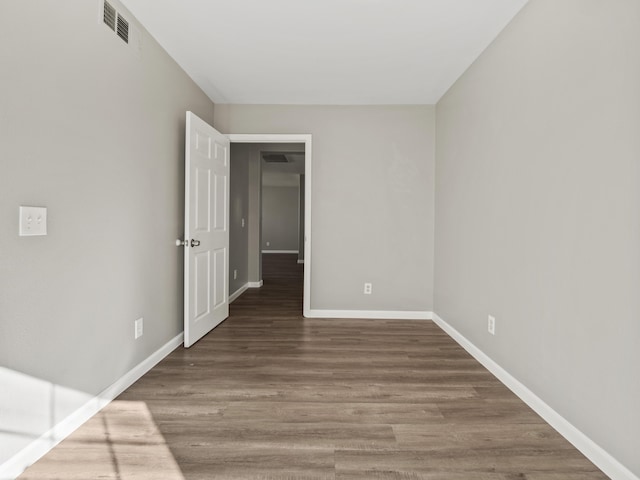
x=206 y=229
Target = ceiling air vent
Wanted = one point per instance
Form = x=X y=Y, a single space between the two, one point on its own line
x=109 y=16
x=123 y=29
x=275 y=158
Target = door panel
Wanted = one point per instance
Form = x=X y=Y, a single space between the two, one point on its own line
x=220 y=279
x=203 y=200
x=202 y=285
x=206 y=229
x=220 y=216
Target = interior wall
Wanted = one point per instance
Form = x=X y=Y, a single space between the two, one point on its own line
x=280 y=218
x=239 y=217
x=372 y=199
x=538 y=211
x=93 y=130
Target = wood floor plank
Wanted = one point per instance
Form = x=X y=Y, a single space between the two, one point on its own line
x=282 y=435
x=218 y=393
x=270 y=394
x=316 y=412
x=516 y=460
x=477 y=435
x=258 y=462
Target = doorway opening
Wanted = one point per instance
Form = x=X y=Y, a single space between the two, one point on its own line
x=283 y=161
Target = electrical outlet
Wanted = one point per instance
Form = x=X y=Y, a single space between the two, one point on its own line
x=33 y=221
x=243 y=223
x=367 y=288
x=235 y=274
x=139 y=327
x=491 y=325
x=268 y=244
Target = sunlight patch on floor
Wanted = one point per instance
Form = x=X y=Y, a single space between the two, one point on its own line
x=121 y=442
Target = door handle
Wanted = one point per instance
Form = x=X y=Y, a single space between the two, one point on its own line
x=195 y=243
x=182 y=243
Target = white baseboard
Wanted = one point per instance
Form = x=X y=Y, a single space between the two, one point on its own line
x=255 y=284
x=372 y=314
x=13 y=467
x=300 y=261
x=281 y=251
x=238 y=292
x=600 y=457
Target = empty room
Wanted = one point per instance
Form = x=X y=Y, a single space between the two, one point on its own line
x=337 y=239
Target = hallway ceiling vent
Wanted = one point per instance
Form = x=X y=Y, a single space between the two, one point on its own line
x=275 y=158
x=109 y=16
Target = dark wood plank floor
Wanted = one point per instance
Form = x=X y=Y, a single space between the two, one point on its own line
x=272 y=395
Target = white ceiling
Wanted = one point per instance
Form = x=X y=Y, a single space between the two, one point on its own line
x=324 y=51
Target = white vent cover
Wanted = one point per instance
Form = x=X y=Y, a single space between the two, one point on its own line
x=275 y=158
x=115 y=21
x=123 y=29
x=109 y=16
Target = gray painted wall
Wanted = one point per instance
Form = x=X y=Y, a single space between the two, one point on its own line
x=239 y=217
x=94 y=132
x=280 y=218
x=538 y=211
x=372 y=199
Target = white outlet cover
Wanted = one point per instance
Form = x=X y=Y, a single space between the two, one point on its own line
x=33 y=221
x=139 y=328
x=491 y=324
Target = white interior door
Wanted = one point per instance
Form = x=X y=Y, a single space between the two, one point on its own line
x=206 y=257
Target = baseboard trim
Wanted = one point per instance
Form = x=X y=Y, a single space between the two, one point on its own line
x=255 y=284
x=600 y=457
x=372 y=314
x=14 y=467
x=234 y=296
x=281 y=251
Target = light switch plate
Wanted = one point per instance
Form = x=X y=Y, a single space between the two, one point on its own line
x=33 y=221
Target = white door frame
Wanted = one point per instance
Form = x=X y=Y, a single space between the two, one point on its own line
x=292 y=138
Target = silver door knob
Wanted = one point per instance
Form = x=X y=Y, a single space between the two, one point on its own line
x=182 y=243
x=195 y=243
